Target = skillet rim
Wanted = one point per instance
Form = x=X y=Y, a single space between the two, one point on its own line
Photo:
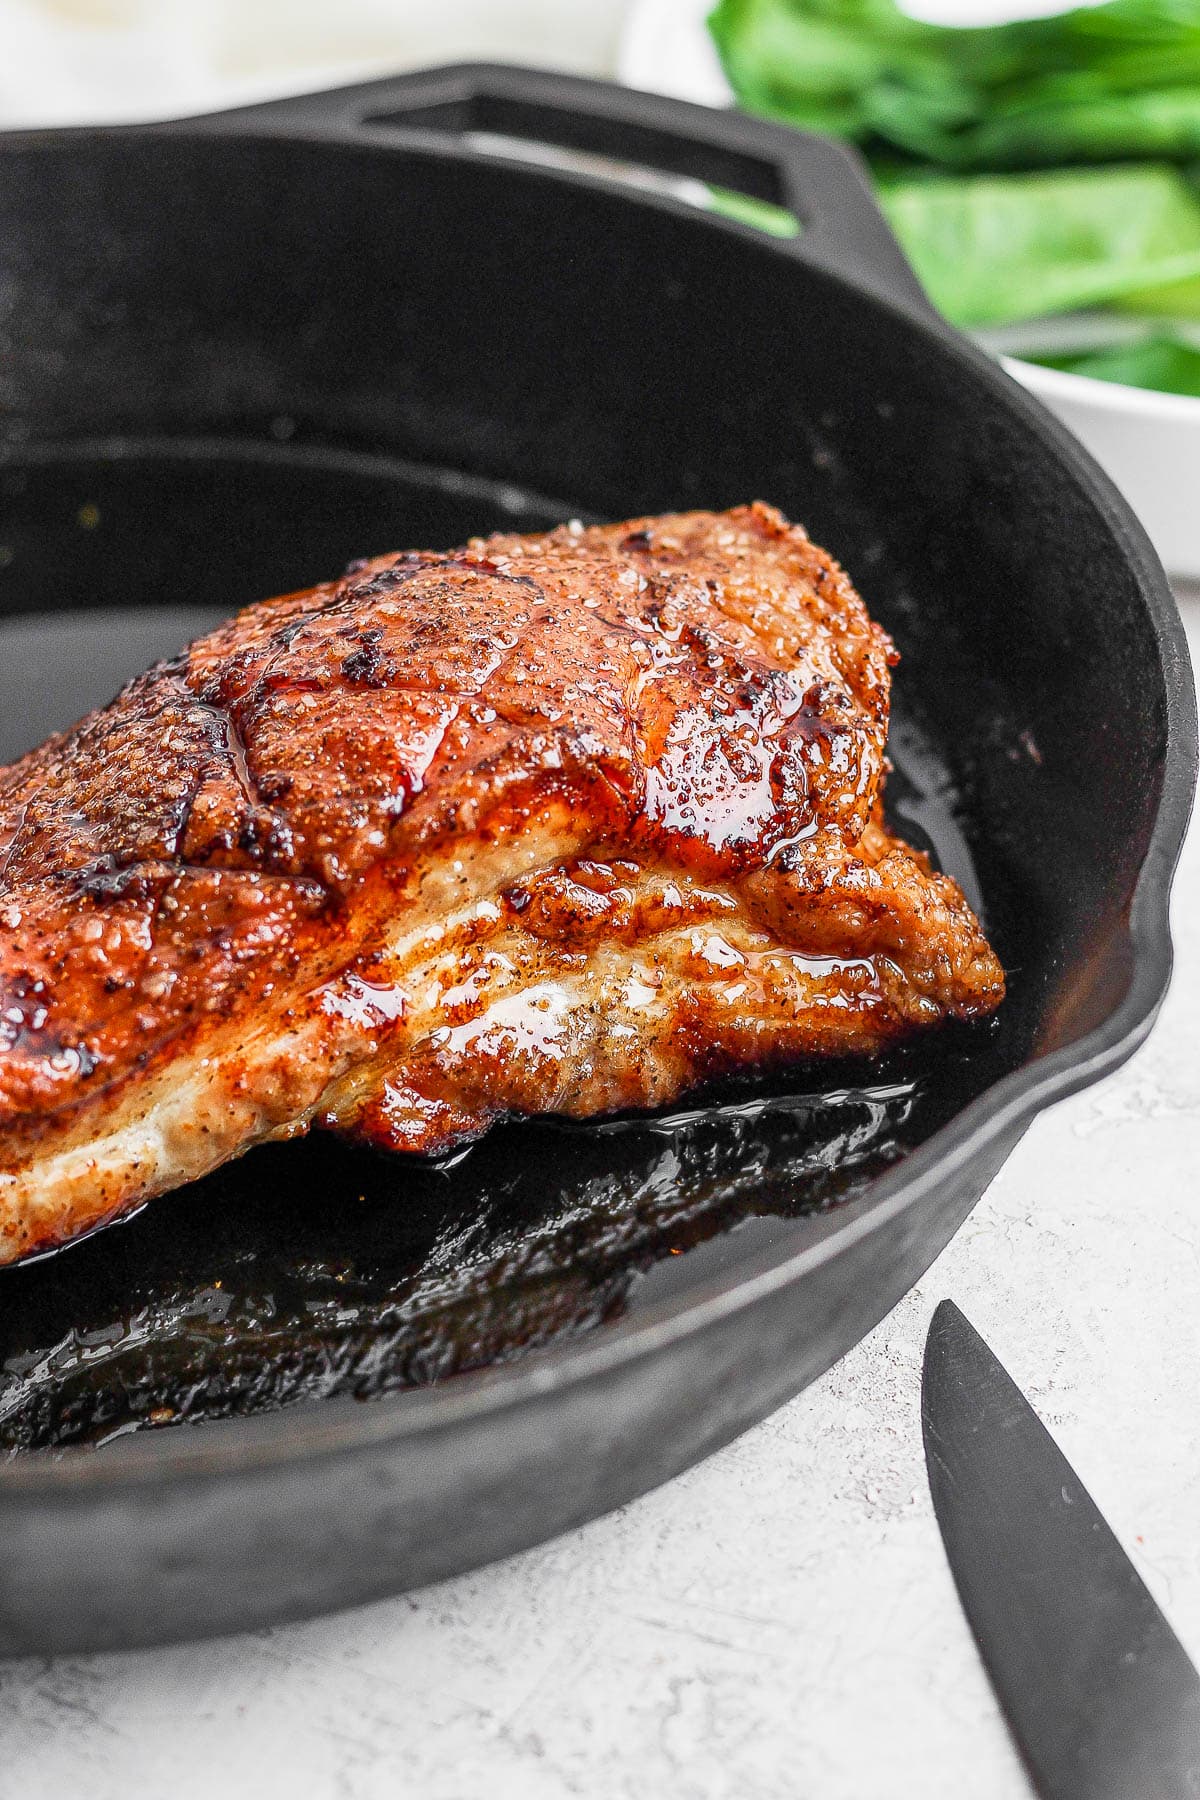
x=340 y=1427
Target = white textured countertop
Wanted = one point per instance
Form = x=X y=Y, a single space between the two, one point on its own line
x=779 y=1622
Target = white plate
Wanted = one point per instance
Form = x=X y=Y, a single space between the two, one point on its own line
x=1149 y=443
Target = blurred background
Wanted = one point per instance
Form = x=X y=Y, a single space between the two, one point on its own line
x=69 y=61
x=63 y=61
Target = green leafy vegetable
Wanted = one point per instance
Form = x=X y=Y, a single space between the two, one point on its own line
x=993 y=249
x=1175 y=300
x=1163 y=363
x=776 y=221
x=1031 y=94
x=980 y=139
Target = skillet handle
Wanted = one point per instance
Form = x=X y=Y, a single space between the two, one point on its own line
x=822 y=183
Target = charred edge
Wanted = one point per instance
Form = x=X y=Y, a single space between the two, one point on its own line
x=365 y=666
x=108 y=878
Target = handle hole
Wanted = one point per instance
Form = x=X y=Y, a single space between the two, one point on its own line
x=608 y=145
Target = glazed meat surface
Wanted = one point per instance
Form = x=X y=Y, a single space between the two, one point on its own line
x=564 y=823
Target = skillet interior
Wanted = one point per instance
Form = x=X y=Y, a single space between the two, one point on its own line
x=235 y=360
x=313 y=1269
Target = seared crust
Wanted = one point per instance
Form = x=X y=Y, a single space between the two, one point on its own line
x=457 y=835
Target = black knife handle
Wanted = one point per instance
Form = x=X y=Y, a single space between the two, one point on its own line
x=821 y=182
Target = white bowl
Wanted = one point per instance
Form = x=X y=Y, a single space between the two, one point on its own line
x=1149 y=443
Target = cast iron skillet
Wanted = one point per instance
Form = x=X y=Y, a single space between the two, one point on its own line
x=239 y=351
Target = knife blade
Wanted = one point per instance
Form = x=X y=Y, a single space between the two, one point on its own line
x=1097 y=1689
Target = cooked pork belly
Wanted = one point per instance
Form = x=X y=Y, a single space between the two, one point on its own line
x=563 y=823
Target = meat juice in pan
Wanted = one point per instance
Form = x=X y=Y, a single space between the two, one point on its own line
x=315 y=1269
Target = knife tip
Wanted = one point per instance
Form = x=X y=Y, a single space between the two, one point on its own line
x=952 y=1343
x=947 y=1320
